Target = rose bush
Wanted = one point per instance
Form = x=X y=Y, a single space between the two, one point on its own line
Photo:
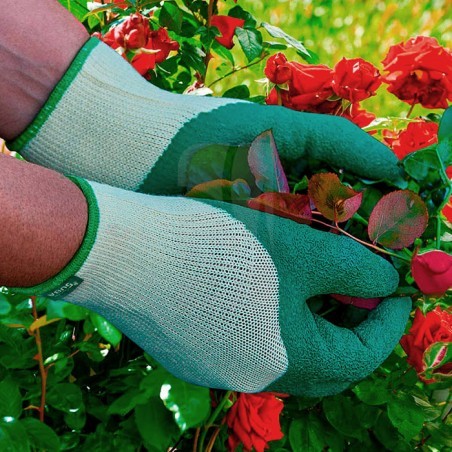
x=97 y=390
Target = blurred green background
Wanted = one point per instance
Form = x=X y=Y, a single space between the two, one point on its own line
x=355 y=28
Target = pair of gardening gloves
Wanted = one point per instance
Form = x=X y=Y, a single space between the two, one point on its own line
x=216 y=293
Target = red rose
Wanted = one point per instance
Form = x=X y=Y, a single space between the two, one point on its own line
x=432 y=272
x=278 y=70
x=133 y=33
x=156 y=50
x=420 y=71
x=417 y=135
x=226 y=26
x=355 y=79
x=360 y=117
x=308 y=86
x=253 y=420
x=426 y=331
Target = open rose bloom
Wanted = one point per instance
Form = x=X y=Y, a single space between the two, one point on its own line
x=428 y=345
x=420 y=71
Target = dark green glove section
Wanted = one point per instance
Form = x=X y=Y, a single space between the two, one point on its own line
x=331 y=139
x=325 y=359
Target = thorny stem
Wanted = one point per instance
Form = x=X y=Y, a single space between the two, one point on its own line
x=370 y=245
x=208 y=56
x=214 y=437
x=212 y=419
x=195 y=441
x=42 y=369
x=241 y=68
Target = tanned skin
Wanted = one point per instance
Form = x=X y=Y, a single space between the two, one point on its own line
x=43 y=214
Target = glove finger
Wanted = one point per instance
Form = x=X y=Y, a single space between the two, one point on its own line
x=342 y=144
x=341 y=265
x=324 y=359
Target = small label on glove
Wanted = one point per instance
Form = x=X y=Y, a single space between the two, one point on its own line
x=65 y=289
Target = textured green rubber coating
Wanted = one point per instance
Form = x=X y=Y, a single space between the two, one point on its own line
x=325 y=359
x=298 y=135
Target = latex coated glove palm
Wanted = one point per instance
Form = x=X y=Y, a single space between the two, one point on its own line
x=217 y=293
x=115 y=127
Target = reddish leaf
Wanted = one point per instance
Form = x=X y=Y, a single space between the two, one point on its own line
x=333 y=199
x=287 y=205
x=364 y=303
x=398 y=219
x=221 y=190
x=265 y=164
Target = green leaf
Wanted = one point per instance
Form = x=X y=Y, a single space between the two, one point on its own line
x=406 y=417
x=388 y=435
x=307 y=434
x=5 y=306
x=238 y=12
x=77 y=7
x=398 y=219
x=171 y=17
x=13 y=436
x=222 y=190
x=40 y=435
x=445 y=125
x=373 y=392
x=75 y=419
x=65 y=397
x=422 y=165
x=108 y=331
x=237 y=92
x=190 y=404
x=276 y=32
x=63 y=310
x=223 y=52
x=155 y=424
x=444 y=150
x=335 y=200
x=126 y=402
x=250 y=41
x=10 y=399
x=293 y=206
x=341 y=414
x=265 y=165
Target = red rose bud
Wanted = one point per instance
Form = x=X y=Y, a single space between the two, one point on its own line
x=360 y=117
x=253 y=420
x=226 y=26
x=432 y=272
x=420 y=71
x=355 y=79
x=426 y=344
x=417 y=135
x=278 y=70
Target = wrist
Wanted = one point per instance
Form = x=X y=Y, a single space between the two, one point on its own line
x=33 y=60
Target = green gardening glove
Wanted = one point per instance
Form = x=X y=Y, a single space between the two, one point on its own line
x=217 y=292
x=104 y=122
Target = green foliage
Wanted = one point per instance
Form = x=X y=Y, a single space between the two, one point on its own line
x=95 y=390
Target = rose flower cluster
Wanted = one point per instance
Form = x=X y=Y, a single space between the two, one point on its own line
x=148 y=47
x=320 y=89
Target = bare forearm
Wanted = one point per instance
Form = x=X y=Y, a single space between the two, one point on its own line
x=33 y=57
x=44 y=217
